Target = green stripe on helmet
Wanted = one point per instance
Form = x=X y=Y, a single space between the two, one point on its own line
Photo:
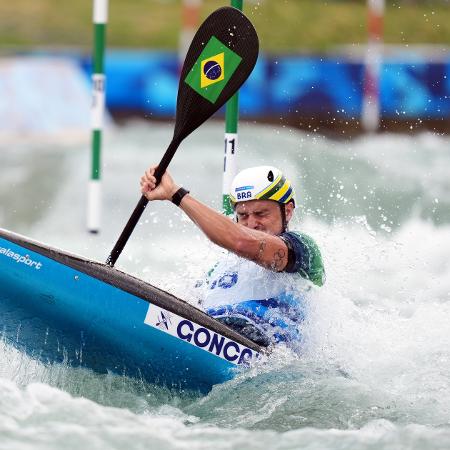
x=274 y=190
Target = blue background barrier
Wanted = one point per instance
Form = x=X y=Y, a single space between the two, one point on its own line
x=285 y=85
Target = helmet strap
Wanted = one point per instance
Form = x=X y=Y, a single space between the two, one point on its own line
x=284 y=224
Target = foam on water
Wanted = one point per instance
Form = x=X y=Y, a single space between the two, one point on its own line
x=375 y=368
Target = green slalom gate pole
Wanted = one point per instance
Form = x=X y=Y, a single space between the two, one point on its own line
x=100 y=18
x=231 y=140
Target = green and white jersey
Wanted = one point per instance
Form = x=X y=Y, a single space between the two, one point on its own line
x=305 y=257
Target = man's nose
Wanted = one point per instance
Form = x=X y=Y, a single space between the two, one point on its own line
x=253 y=222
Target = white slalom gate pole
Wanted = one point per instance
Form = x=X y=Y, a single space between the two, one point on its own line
x=370 y=118
x=100 y=18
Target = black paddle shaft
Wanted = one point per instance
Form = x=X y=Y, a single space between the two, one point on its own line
x=235 y=33
x=139 y=209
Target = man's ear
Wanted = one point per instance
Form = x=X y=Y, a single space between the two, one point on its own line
x=289 y=210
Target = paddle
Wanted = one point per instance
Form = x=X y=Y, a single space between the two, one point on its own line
x=220 y=58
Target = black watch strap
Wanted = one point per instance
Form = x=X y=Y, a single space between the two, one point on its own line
x=178 y=196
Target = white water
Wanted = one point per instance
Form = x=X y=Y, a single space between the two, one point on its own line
x=376 y=364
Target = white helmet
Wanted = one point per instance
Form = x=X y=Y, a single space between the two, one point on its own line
x=261 y=183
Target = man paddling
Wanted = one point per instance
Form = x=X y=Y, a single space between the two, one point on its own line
x=257 y=288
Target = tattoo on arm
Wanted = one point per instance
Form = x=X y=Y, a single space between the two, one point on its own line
x=278 y=257
x=259 y=256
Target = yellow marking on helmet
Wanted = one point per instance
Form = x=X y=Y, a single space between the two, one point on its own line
x=268 y=188
x=280 y=192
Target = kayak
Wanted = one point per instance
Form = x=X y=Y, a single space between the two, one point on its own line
x=59 y=307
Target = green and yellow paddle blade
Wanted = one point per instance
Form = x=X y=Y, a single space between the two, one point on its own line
x=222 y=55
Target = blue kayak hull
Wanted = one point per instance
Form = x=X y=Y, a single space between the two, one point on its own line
x=59 y=307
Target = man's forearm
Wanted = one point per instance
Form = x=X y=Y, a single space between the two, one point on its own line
x=262 y=248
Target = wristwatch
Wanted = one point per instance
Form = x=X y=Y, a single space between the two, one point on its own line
x=178 y=196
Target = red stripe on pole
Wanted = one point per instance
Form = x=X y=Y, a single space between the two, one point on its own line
x=375 y=26
x=191 y=16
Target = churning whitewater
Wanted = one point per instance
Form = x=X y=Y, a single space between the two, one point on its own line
x=374 y=370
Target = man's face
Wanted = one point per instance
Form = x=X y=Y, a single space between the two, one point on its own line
x=262 y=215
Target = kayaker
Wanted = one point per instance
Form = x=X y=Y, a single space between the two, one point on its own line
x=257 y=287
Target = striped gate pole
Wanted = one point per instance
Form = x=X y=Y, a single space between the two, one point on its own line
x=231 y=141
x=370 y=118
x=191 y=18
x=100 y=18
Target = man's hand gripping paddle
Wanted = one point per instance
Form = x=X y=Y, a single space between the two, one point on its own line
x=219 y=60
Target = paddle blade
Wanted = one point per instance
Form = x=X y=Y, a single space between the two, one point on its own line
x=220 y=58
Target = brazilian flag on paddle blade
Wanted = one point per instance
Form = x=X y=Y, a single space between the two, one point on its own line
x=213 y=69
